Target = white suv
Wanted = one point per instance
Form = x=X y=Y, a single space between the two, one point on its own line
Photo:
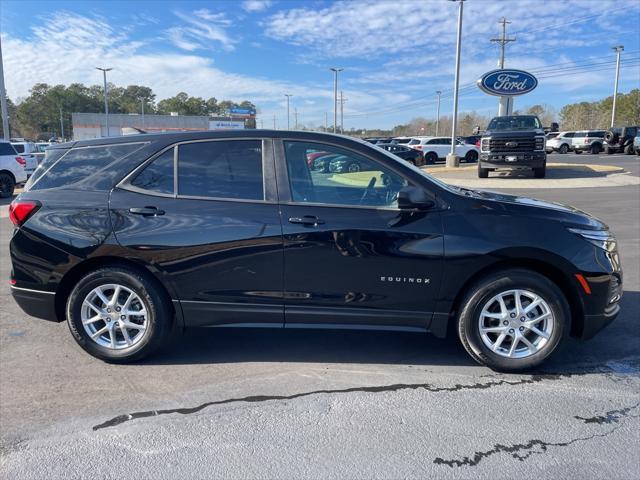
x=28 y=151
x=435 y=148
x=588 y=141
x=11 y=169
x=561 y=143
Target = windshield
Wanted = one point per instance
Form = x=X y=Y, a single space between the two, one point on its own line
x=516 y=122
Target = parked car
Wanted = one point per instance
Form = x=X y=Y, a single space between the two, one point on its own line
x=233 y=228
x=437 y=148
x=40 y=150
x=636 y=144
x=28 y=151
x=551 y=135
x=472 y=140
x=620 y=140
x=561 y=143
x=12 y=171
x=411 y=155
x=588 y=141
x=401 y=140
x=513 y=142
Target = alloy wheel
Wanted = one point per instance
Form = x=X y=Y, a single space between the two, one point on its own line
x=114 y=316
x=516 y=323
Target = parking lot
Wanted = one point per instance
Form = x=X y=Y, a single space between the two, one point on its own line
x=259 y=403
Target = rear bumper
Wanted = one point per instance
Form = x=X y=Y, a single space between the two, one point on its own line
x=513 y=160
x=37 y=303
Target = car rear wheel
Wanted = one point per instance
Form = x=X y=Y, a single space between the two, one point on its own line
x=483 y=172
x=471 y=156
x=430 y=158
x=513 y=320
x=564 y=148
x=628 y=150
x=7 y=185
x=596 y=148
x=118 y=315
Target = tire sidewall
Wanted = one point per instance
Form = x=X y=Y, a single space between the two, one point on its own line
x=156 y=314
x=10 y=183
x=483 y=292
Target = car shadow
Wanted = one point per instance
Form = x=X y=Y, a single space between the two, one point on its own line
x=557 y=172
x=616 y=344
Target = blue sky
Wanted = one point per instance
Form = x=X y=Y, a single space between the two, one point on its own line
x=395 y=54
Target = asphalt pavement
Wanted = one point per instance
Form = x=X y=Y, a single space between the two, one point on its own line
x=223 y=403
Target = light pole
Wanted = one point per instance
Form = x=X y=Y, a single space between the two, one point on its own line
x=288 y=95
x=335 y=96
x=438 y=113
x=452 y=159
x=142 y=105
x=106 y=96
x=61 y=127
x=3 y=101
x=618 y=49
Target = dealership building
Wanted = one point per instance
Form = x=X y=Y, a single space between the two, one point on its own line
x=94 y=125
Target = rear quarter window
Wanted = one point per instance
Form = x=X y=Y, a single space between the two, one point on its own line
x=7 y=149
x=79 y=164
x=19 y=147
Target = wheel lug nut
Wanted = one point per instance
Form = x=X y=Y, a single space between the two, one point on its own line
x=522 y=319
x=513 y=315
x=511 y=330
x=108 y=310
x=522 y=329
x=117 y=309
x=122 y=317
x=505 y=323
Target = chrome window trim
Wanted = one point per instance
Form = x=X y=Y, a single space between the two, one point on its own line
x=31 y=290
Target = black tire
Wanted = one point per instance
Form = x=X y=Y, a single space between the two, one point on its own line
x=158 y=306
x=611 y=137
x=596 y=148
x=564 y=148
x=608 y=150
x=577 y=152
x=431 y=158
x=540 y=172
x=489 y=286
x=471 y=156
x=628 y=150
x=483 y=172
x=7 y=185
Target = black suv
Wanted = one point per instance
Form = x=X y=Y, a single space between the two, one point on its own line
x=127 y=238
x=620 y=140
x=514 y=142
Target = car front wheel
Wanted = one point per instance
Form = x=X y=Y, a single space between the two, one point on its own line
x=513 y=320
x=118 y=315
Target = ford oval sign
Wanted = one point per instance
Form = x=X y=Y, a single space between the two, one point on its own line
x=507 y=82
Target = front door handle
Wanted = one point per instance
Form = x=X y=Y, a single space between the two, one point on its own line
x=146 y=211
x=311 y=220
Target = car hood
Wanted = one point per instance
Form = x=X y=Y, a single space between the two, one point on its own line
x=511 y=133
x=515 y=204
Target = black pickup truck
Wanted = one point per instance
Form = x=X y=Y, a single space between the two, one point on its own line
x=515 y=142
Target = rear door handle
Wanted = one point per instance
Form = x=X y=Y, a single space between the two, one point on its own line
x=146 y=211
x=307 y=220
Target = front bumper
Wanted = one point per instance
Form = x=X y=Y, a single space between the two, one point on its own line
x=603 y=304
x=37 y=303
x=535 y=159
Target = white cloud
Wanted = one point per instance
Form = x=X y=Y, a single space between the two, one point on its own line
x=256 y=5
x=202 y=29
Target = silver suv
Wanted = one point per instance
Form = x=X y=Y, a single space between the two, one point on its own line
x=561 y=143
x=588 y=140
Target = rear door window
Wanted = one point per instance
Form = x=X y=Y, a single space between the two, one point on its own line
x=229 y=169
x=19 y=147
x=158 y=175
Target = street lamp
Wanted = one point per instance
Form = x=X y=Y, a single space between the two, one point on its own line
x=438 y=113
x=618 y=49
x=335 y=96
x=142 y=104
x=288 y=95
x=106 y=93
x=452 y=159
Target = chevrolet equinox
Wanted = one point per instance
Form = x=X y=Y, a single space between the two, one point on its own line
x=127 y=238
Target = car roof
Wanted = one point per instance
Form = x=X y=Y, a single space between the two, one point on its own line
x=173 y=137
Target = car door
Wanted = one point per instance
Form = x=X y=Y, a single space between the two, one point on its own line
x=350 y=255
x=204 y=216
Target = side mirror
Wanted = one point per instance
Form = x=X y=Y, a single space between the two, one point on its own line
x=410 y=198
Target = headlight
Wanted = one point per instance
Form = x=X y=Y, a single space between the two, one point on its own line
x=600 y=238
x=484 y=144
x=539 y=143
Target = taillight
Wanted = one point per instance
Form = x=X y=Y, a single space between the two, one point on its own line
x=418 y=147
x=586 y=140
x=478 y=143
x=21 y=161
x=21 y=210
